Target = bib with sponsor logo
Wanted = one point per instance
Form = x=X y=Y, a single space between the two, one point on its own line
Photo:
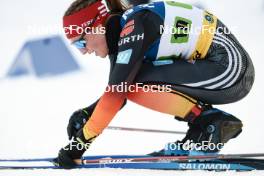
x=187 y=31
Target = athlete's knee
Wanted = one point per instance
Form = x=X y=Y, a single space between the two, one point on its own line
x=242 y=87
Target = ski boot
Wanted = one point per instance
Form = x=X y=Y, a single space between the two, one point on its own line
x=207 y=134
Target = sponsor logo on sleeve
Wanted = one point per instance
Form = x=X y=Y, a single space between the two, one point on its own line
x=123 y=57
x=132 y=38
x=128 y=28
x=127 y=13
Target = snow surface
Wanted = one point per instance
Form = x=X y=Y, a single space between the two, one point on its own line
x=34 y=112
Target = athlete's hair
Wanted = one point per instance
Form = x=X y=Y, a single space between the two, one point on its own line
x=115 y=6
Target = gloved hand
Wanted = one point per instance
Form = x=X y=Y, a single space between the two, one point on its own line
x=65 y=158
x=73 y=151
x=79 y=118
x=77 y=121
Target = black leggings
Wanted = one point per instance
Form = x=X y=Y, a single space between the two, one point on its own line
x=226 y=74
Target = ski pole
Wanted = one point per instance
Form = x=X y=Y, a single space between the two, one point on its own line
x=144 y=130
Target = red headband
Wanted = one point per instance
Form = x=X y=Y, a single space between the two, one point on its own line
x=90 y=16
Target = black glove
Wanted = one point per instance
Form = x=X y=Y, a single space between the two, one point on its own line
x=65 y=159
x=79 y=118
x=74 y=150
x=77 y=121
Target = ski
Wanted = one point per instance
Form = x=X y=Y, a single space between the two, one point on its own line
x=149 y=158
x=214 y=156
x=239 y=162
x=85 y=157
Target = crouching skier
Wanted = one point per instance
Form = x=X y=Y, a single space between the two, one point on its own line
x=188 y=69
